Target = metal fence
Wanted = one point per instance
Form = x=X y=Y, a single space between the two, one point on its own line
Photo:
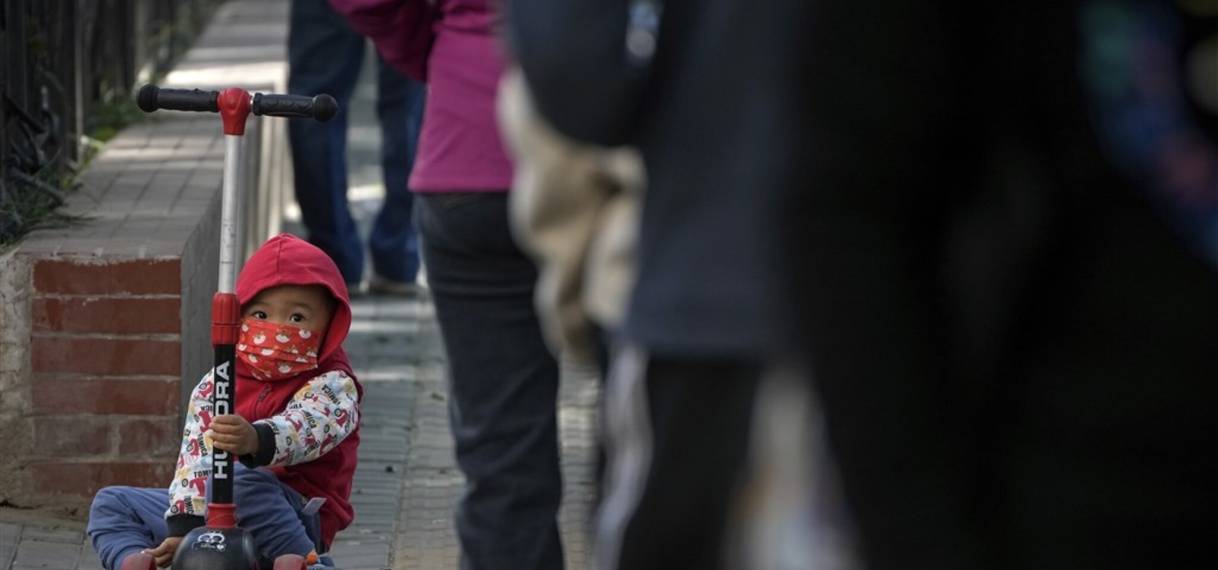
x=69 y=67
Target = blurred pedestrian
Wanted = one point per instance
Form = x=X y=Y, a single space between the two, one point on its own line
x=503 y=380
x=1010 y=314
x=326 y=55
x=704 y=91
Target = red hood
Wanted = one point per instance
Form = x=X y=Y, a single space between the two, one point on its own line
x=288 y=260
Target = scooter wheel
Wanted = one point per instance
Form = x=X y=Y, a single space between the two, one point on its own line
x=139 y=561
x=289 y=562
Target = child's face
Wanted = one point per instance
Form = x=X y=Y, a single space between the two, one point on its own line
x=305 y=306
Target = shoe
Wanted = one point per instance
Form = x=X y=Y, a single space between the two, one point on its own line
x=315 y=562
x=355 y=290
x=380 y=285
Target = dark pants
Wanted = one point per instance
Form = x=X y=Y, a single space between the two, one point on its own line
x=678 y=434
x=503 y=382
x=326 y=56
x=126 y=520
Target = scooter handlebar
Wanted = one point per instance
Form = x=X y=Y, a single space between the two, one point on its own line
x=150 y=98
x=321 y=107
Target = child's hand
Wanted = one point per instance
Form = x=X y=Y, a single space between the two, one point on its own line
x=164 y=553
x=233 y=434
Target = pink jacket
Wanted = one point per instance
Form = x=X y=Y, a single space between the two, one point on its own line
x=451 y=45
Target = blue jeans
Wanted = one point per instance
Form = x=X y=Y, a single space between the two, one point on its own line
x=503 y=382
x=325 y=56
x=126 y=520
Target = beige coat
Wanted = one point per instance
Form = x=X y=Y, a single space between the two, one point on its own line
x=574 y=209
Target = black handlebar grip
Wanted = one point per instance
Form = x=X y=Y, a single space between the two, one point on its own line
x=322 y=107
x=150 y=98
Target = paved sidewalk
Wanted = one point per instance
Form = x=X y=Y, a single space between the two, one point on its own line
x=407 y=483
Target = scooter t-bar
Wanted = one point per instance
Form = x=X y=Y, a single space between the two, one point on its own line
x=221 y=545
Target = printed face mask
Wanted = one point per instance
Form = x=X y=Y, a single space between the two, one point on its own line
x=274 y=351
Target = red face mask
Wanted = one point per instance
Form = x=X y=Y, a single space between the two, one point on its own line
x=274 y=351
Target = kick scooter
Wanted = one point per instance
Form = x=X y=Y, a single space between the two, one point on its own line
x=221 y=544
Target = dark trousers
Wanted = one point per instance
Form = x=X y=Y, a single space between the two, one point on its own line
x=678 y=435
x=126 y=520
x=326 y=55
x=503 y=382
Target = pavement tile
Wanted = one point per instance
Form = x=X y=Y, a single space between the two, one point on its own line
x=53 y=535
x=9 y=535
x=35 y=553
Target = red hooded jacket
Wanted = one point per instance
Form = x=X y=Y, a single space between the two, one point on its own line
x=283 y=260
x=313 y=466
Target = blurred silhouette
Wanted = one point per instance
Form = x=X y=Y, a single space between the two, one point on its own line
x=704 y=92
x=503 y=386
x=1004 y=261
x=986 y=234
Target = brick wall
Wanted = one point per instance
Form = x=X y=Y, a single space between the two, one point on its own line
x=105 y=325
x=105 y=360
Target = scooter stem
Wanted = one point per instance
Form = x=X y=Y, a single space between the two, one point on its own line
x=234 y=106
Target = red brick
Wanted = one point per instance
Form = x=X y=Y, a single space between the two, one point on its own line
x=88 y=277
x=66 y=435
x=126 y=396
x=156 y=437
x=84 y=479
x=85 y=355
x=125 y=315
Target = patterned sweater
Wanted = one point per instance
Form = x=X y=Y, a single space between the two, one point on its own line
x=319 y=417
